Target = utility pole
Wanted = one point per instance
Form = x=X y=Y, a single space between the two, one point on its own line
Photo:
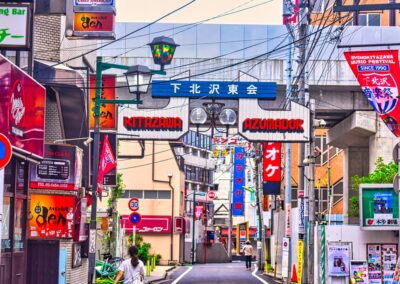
x=303 y=99
x=311 y=197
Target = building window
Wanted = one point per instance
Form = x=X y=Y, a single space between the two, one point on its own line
x=327 y=152
x=150 y=194
x=370 y=19
x=164 y=194
x=147 y=194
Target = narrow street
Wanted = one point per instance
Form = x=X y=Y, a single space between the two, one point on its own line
x=217 y=273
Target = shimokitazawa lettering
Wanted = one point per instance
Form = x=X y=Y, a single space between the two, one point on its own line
x=273 y=125
x=153 y=123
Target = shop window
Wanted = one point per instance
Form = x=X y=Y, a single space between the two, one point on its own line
x=6 y=225
x=19 y=228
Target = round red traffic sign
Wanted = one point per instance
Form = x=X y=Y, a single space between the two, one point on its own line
x=5 y=151
x=211 y=195
x=133 y=204
x=135 y=218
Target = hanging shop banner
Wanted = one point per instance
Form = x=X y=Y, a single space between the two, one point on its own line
x=359 y=271
x=61 y=168
x=109 y=178
x=148 y=224
x=272 y=168
x=339 y=260
x=169 y=123
x=198 y=211
x=108 y=112
x=302 y=208
x=257 y=124
x=290 y=11
x=107 y=163
x=379 y=207
x=14 y=26
x=81 y=234
x=300 y=259
x=378 y=74
x=94 y=2
x=214 y=89
x=51 y=216
x=22 y=108
x=239 y=166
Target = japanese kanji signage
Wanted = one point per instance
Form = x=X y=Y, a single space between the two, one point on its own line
x=14 y=22
x=257 y=124
x=107 y=111
x=272 y=168
x=239 y=167
x=378 y=74
x=169 y=123
x=214 y=89
x=379 y=207
x=93 y=2
x=339 y=259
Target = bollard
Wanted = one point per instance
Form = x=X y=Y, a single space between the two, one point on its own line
x=148 y=267
x=154 y=261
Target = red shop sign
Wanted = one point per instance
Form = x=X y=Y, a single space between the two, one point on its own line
x=22 y=108
x=272 y=162
x=148 y=224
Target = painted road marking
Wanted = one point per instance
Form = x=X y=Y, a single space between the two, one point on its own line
x=256 y=276
x=183 y=274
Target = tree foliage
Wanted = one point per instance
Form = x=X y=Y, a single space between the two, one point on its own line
x=383 y=173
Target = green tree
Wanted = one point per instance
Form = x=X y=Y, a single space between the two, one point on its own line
x=383 y=173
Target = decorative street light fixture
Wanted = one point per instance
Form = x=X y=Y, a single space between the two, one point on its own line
x=138 y=79
x=163 y=49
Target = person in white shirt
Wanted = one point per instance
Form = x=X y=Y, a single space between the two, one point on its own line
x=132 y=269
x=248 y=252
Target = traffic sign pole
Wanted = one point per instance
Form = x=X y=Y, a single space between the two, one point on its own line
x=5 y=151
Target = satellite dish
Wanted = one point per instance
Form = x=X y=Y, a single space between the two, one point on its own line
x=228 y=117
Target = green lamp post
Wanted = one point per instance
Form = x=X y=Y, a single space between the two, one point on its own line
x=138 y=78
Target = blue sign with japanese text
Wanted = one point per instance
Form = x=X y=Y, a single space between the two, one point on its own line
x=214 y=89
x=239 y=167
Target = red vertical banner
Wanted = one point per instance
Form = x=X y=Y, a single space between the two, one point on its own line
x=272 y=168
x=107 y=163
x=198 y=212
x=378 y=74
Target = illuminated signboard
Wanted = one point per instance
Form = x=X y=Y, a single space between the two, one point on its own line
x=93 y=2
x=51 y=216
x=14 y=26
x=257 y=124
x=239 y=166
x=272 y=168
x=169 y=123
x=149 y=224
x=94 y=22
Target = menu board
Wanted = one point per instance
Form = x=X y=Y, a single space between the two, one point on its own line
x=381 y=263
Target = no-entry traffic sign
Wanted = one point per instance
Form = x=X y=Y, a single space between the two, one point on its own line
x=133 y=204
x=5 y=151
x=211 y=195
x=135 y=218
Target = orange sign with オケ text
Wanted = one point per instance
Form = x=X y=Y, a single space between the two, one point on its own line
x=108 y=113
x=51 y=216
x=94 y=22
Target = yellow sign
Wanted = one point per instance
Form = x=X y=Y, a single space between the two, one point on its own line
x=300 y=261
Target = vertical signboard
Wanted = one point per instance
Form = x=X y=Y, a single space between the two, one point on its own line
x=272 y=168
x=14 y=26
x=51 y=216
x=239 y=166
x=285 y=257
x=300 y=258
x=22 y=108
x=359 y=271
x=108 y=112
x=378 y=74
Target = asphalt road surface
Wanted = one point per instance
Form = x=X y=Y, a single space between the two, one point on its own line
x=219 y=273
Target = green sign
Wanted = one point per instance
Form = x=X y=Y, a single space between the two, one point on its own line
x=379 y=206
x=14 y=30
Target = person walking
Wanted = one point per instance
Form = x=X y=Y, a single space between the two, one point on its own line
x=132 y=269
x=248 y=253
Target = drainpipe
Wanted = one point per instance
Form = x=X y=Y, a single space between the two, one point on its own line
x=172 y=215
x=172 y=194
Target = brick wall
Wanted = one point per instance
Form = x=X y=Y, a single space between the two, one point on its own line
x=78 y=274
x=47 y=37
x=53 y=120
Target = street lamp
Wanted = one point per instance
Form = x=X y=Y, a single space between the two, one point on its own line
x=138 y=79
x=163 y=49
x=87 y=141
